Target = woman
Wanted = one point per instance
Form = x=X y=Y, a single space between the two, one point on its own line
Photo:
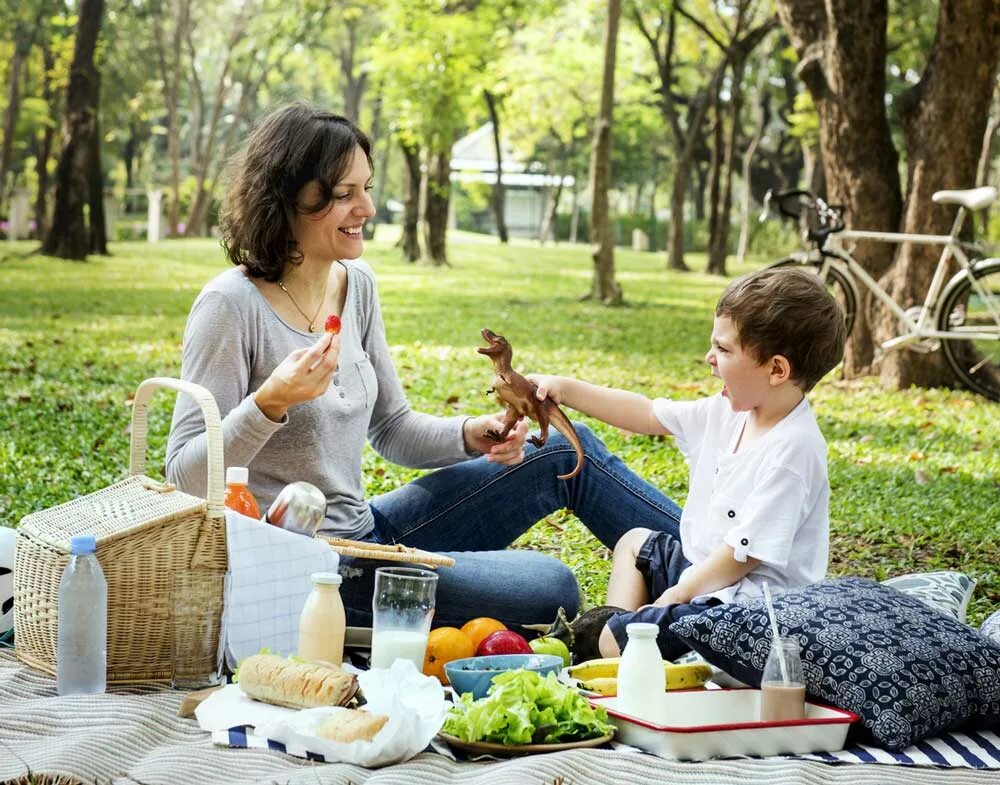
x=299 y=403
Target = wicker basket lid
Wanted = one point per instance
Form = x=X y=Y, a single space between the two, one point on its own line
x=119 y=510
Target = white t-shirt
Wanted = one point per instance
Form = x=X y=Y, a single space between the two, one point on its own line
x=769 y=501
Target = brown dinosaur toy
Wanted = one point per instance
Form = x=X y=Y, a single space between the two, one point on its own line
x=518 y=394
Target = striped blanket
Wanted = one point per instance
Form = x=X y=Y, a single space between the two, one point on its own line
x=133 y=735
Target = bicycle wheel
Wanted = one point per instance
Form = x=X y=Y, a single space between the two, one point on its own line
x=839 y=282
x=976 y=362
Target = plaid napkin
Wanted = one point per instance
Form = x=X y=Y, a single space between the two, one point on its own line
x=269 y=582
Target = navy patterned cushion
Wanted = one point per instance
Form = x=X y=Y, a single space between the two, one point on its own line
x=947 y=591
x=991 y=628
x=907 y=670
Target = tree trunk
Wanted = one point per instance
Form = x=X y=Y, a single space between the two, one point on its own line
x=985 y=154
x=715 y=167
x=841 y=46
x=944 y=116
x=574 y=210
x=497 y=200
x=95 y=188
x=410 y=239
x=762 y=118
x=719 y=243
x=10 y=115
x=354 y=84
x=438 y=200
x=69 y=237
x=43 y=149
x=375 y=134
x=604 y=288
x=170 y=71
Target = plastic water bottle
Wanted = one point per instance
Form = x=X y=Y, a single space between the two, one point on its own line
x=82 y=648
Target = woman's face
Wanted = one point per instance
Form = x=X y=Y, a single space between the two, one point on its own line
x=335 y=232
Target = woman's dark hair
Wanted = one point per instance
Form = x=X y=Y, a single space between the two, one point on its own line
x=290 y=148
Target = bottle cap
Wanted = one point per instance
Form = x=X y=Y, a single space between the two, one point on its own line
x=327 y=578
x=639 y=629
x=237 y=474
x=82 y=544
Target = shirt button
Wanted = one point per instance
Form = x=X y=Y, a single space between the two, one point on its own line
x=336 y=378
x=342 y=395
x=744 y=542
x=731 y=513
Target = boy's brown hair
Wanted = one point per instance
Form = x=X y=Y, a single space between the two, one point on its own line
x=788 y=312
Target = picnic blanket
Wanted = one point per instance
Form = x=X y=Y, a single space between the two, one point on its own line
x=133 y=734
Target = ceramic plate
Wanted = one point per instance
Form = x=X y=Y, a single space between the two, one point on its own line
x=491 y=748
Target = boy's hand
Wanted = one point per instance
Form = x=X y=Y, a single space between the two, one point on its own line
x=550 y=386
x=670 y=597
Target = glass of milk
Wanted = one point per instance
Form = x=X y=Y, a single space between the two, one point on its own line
x=402 y=609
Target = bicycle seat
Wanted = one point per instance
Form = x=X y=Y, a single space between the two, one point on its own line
x=970 y=199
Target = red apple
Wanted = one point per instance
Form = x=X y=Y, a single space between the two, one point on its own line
x=503 y=642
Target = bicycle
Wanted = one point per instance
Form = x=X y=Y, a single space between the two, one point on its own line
x=961 y=316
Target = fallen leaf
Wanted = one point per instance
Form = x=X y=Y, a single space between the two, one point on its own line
x=868 y=437
x=917 y=455
x=921 y=477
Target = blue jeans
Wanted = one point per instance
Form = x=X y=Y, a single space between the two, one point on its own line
x=473 y=510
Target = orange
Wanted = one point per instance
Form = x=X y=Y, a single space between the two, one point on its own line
x=444 y=645
x=479 y=628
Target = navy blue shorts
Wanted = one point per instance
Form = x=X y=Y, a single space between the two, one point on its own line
x=660 y=561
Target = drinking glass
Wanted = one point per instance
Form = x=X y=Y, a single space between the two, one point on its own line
x=402 y=609
x=782 y=687
x=197 y=621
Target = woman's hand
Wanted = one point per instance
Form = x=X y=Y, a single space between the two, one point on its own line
x=508 y=452
x=550 y=386
x=303 y=375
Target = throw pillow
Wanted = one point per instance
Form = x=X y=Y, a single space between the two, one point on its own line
x=907 y=670
x=949 y=592
x=991 y=628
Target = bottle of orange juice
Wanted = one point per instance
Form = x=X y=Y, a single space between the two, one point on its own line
x=238 y=494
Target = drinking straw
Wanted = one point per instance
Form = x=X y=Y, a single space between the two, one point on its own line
x=775 y=634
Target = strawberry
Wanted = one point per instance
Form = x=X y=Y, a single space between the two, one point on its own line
x=332 y=324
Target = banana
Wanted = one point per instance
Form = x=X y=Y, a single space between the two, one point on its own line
x=681 y=677
x=605 y=685
x=595 y=669
x=592 y=675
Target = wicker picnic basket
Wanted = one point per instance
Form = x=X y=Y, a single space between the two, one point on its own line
x=148 y=533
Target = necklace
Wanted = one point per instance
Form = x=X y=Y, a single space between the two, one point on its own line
x=312 y=322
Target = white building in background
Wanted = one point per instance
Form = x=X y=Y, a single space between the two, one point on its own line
x=473 y=160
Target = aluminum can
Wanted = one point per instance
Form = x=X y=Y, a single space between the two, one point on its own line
x=300 y=508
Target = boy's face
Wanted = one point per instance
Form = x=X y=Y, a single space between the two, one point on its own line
x=747 y=383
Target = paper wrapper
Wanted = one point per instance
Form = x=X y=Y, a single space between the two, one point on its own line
x=414 y=703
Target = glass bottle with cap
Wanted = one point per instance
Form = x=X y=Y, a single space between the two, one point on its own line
x=642 y=679
x=322 y=624
x=239 y=497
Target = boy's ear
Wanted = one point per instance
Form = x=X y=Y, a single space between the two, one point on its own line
x=780 y=370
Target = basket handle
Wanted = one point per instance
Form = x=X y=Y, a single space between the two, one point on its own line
x=213 y=434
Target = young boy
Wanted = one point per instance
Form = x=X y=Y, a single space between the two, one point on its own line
x=757 y=506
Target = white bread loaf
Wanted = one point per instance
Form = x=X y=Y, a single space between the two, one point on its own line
x=298 y=685
x=350 y=725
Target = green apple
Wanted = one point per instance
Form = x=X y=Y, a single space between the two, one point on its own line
x=551 y=646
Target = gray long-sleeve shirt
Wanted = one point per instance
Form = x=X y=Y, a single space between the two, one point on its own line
x=233 y=341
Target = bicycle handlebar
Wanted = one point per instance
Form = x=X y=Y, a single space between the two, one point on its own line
x=792 y=203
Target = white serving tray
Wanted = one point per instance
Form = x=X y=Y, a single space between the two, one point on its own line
x=702 y=724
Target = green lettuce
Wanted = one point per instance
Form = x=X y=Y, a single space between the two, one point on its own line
x=525 y=708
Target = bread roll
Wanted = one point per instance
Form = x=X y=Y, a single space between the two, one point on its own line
x=298 y=685
x=351 y=725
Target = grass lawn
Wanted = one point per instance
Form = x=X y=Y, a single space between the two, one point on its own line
x=915 y=474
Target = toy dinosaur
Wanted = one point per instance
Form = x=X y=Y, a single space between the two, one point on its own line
x=581 y=635
x=518 y=394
